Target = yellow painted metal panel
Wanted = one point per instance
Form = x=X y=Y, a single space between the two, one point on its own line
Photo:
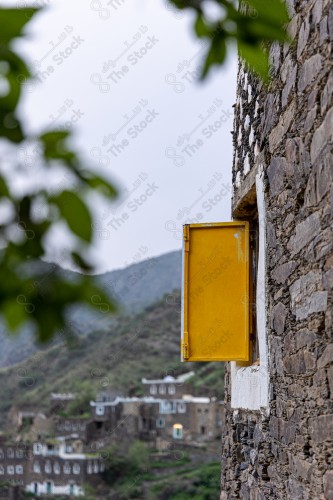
x=215 y=295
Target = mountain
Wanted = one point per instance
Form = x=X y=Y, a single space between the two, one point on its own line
x=112 y=357
x=134 y=287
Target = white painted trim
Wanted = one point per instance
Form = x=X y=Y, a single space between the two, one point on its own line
x=250 y=384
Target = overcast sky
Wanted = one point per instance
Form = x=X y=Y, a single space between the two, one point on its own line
x=123 y=75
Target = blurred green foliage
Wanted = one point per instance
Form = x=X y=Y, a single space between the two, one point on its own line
x=23 y=234
x=251 y=24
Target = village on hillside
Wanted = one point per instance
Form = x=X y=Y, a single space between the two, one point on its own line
x=58 y=453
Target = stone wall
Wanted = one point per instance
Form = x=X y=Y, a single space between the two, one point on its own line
x=285 y=451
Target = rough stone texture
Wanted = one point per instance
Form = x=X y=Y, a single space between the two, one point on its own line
x=326 y=96
x=309 y=71
x=305 y=297
x=321 y=428
x=327 y=357
x=328 y=484
x=277 y=134
x=305 y=232
x=279 y=314
x=286 y=452
x=322 y=136
x=276 y=175
x=282 y=273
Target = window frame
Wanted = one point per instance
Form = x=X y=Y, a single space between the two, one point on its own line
x=171 y=389
x=250 y=381
x=153 y=389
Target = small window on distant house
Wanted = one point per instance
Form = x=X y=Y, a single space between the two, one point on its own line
x=162 y=389
x=160 y=422
x=10 y=453
x=67 y=468
x=37 y=448
x=56 y=468
x=96 y=468
x=2 y=470
x=1 y=454
x=19 y=453
x=48 y=467
x=99 y=410
x=181 y=407
x=19 y=469
x=153 y=389
x=171 y=389
x=89 y=468
x=165 y=407
x=36 y=467
x=177 y=431
x=10 y=470
x=76 y=469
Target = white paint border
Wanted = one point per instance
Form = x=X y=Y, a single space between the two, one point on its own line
x=250 y=384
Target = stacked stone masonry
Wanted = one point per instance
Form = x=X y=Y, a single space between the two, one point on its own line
x=285 y=451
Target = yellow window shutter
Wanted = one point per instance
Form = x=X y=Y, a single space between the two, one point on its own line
x=215 y=292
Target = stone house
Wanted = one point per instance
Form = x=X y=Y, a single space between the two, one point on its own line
x=61 y=469
x=14 y=459
x=50 y=467
x=21 y=416
x=166 y=411
x=168 y=387
x=69 y=426
x=278 y=419
x=60 y=401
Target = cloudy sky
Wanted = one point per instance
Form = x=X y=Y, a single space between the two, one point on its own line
x=123 y=75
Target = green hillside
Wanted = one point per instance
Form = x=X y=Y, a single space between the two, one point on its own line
x=133 y=288
x=116 y=354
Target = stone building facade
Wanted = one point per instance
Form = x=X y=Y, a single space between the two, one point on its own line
x=165 y=412
x=278 y=422
x=57 y=467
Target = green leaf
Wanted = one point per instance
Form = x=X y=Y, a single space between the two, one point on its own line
x=10 y=101
x=76 y=214
x=216 y=54
x=101 y=185
x=55 y=147
x=52 y=138
x=15 y=313
x=274 y=11
x=81 y=262
x=200 y=27
x=260 y=30
x=256 y=58
x=10 y=127
x=4 y=193
x=13 y=22
x=17 y=65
